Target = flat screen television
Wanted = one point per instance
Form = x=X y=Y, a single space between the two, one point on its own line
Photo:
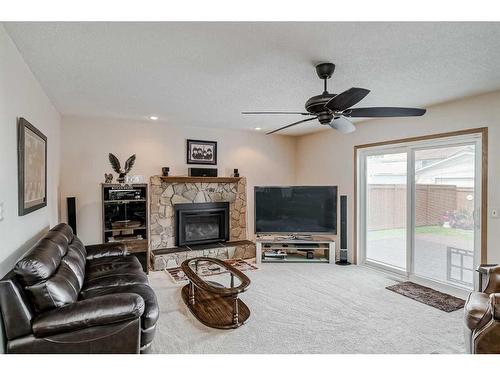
x=296 y=209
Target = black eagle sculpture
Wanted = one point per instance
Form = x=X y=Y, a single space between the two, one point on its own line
x=115 y=163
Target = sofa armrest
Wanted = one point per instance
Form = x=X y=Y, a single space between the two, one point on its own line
x=106 y=250
x=495 y=305
x=87 y=313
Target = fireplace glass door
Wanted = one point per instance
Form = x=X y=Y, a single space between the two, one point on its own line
x=205 y=227
x=201 y=223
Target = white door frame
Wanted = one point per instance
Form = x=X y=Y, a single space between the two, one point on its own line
x=410 y=148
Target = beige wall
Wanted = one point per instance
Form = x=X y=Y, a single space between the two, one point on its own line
x=326 y=157
x=22 y=96
x=86 y=143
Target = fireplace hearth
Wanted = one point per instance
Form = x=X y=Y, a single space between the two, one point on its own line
x=201 y=223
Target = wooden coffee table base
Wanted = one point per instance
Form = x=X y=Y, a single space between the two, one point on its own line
x=216 y=311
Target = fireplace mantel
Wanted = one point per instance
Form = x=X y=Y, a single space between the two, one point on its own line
x=177 y=179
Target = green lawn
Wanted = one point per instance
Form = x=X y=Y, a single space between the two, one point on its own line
x=431 y=230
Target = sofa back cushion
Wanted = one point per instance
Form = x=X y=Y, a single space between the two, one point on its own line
x=58 y=290
x=75 y=260
x=40 y=263
x=54 y=269
x=77 y=244
x=65 y=230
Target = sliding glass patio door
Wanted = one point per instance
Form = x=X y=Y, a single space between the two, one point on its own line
x=419 y=209
x=385 y=198
x=444 y=184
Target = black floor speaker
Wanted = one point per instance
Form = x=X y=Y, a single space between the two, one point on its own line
x=71 y=204
x=343 y=232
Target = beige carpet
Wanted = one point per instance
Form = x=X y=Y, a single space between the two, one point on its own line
x=311 y=308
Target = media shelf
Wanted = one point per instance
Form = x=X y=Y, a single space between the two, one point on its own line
x=295 y=250
x=125 y=219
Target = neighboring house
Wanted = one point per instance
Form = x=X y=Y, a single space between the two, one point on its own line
x=433 y=167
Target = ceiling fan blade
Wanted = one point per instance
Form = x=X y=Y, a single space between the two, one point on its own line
x=346 y=99
x=278 y=113
x=384 y=112
x=342 y=125
x=293 y=124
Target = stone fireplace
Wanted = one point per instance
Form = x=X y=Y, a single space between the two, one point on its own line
x=166 y=192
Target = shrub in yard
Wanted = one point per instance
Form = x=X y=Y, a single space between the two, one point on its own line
x=460 y=219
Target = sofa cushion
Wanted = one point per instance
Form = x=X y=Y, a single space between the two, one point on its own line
x=65 y=230
x=77 y=244
x=76 y=261
x=60 y=239
x=477 y=310
x=58 y=290
x=40 y=263
x=129 y=277
x=93 y=312
x=120 y=264
x=151 y=311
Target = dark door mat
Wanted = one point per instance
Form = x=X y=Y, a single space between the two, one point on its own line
x=431 y=297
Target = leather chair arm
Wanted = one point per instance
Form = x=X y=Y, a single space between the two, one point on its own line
x=495 y=305
x=106 y=250
x=91 y=312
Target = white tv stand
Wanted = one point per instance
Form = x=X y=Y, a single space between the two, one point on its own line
x=296 y=248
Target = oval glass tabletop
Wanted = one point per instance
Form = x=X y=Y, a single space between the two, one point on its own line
x=215 y=275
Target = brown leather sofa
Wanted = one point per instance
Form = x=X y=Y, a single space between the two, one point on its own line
x=482 y=317
x=63 y=297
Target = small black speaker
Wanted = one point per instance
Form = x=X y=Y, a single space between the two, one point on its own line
x=71 y=207
x=343 y=231
x=202 y=172
x=236 y=172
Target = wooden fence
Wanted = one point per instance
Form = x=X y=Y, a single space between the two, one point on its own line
x=387 y=204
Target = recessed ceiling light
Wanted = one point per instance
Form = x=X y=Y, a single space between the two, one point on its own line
x=154 y=118
x=258 y=128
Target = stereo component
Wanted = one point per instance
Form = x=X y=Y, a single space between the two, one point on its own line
x=343 y=232
x=164 y=171
x=202 y=172
x=71 y=209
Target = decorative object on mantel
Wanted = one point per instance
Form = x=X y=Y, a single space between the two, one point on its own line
x=108 y=178
x=164 y=171
x=115 y=163
x=202 y=172
x=201 y=152
x=178 y=276
x=31 y=167
x=236 y=173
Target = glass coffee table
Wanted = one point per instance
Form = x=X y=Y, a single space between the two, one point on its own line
x=215 y=304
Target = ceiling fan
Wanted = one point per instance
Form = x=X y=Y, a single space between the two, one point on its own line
x=335 y=109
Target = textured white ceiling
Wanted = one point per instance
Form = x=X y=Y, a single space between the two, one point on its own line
x=205 y=74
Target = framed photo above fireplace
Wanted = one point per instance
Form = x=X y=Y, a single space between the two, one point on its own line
x=201 y=152
x=32 y=167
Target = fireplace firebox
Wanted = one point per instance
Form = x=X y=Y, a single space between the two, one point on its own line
x=201 y=223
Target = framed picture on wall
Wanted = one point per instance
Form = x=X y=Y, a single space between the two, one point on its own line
x=31 y=167
x=201 y=152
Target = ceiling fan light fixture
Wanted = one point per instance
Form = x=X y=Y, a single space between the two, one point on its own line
x=342 y=125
